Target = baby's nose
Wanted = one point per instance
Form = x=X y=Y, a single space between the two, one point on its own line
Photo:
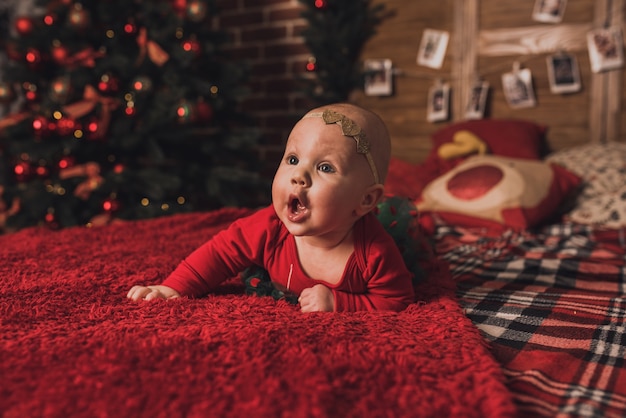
x=300 y=177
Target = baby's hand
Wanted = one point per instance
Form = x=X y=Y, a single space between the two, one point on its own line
x=318 y=298
x=151 y=292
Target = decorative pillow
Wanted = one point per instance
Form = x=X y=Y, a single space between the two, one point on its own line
x=408 y=180
x=602 y=168
x=493 y=191
x=504 y=137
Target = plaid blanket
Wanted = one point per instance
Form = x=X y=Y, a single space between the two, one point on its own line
x=551 y=302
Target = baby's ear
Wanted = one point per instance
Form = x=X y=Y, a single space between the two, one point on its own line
x=372 y=195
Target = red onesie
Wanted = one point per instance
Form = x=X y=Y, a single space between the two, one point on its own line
x=375 y=276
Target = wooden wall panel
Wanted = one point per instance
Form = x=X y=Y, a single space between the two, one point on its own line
x=487 y=38
x=398 y=39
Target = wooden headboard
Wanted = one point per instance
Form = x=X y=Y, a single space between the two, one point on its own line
x=489 y=37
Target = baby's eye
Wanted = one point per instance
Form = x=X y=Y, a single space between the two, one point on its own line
x=326 y=168
x=292 y=160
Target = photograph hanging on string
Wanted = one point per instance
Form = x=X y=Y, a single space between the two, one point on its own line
x=563 y=73
x=378 y=77
x=606 y=50
x=477 y=101
x=549 y=11
x=433 y=48
x=438 y=102
x=518 y=88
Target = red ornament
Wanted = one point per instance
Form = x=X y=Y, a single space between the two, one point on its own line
x=130 y=28
x=23 y=171
x=142 y=84
x=24 y=25
x=59 y=53
x=108 y=84
x=92 y=127
x=66 y=126
x=49 y=19
x=30 y=91
x=41 y=126
x=191 y=45
x=42 y=171
x=66 y=162
x=311 y=65
x=33 y=56
x=320 y=4
x=50 y=219
x=186 y=112
x=110 y=205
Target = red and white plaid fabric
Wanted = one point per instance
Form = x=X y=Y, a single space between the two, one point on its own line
x=552 y=304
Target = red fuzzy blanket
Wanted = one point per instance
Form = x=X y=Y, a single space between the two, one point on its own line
x=72 y=345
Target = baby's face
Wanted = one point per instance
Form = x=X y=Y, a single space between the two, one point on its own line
x=320 y=181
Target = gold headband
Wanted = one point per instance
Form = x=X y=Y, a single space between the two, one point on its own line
x=351 y=129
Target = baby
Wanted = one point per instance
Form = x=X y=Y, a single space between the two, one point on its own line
x=319 y=238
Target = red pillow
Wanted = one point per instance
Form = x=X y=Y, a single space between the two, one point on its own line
x=408 y=180
x=505 y=137
x=500 y=192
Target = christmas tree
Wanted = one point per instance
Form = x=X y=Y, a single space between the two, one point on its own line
x=336 y=32
x=129 y=111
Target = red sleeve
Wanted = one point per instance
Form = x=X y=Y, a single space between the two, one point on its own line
x=389 y=284
x=225 y=255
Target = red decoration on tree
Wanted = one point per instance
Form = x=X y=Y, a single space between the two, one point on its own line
x=66 y=162
x=111 y=205
x=108 y=84
x=23 y=171
x=42 y=171
x=92 y=127
x=30 y=91
x=92 y=178
x=311 y=65
x=191 y=45
x=41 y=126
x=142 y=84
x=24 y=25
x=320 y=4
x=130 y=28
x=49 y=19
x=50 y=219
x=59 y=53
x=33 y=56
x=66 y=126
x=150 y=48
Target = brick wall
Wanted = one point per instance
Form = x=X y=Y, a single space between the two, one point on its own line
x=266 y=35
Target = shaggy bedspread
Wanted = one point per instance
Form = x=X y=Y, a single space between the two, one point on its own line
x=71 y=344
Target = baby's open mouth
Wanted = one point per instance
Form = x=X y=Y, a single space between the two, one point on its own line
x=297 y=206
x=297 y=209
